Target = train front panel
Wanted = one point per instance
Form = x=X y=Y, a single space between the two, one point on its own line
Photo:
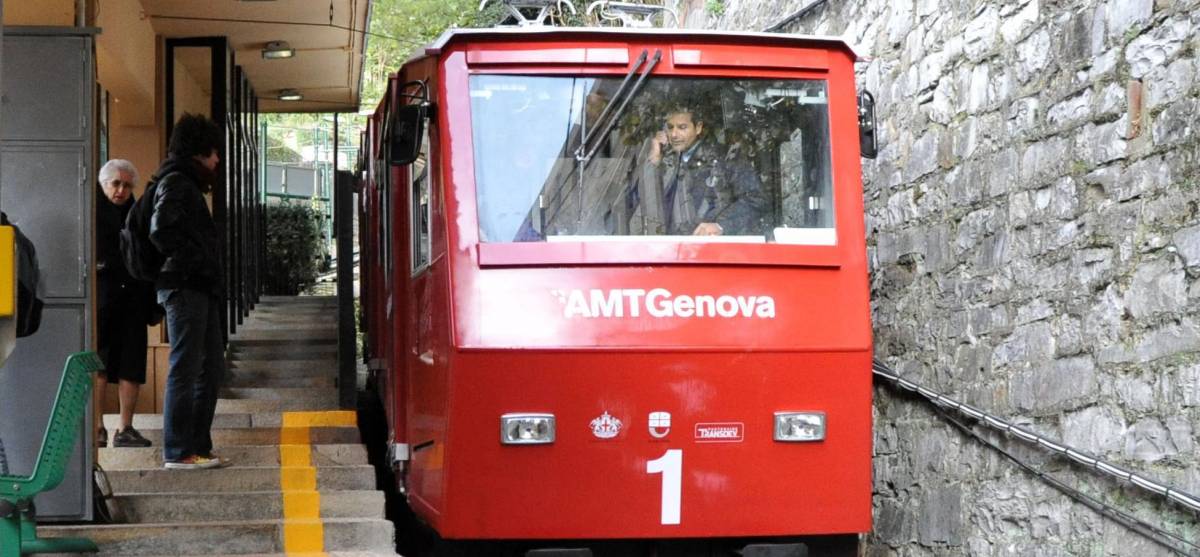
x=656 y=329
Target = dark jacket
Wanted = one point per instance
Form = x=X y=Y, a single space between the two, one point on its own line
x=115 y=288
x=183 y=230
x=709 y=186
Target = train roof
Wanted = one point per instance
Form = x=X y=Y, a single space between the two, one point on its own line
x=460 y=35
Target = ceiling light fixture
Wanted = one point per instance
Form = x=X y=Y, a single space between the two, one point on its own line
x=290 y=95
x=278 y=49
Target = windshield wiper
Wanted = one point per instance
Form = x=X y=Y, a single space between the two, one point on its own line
x=583 y=154
x=608 y=117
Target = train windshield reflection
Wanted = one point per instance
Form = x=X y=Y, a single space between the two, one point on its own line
x=687 y=159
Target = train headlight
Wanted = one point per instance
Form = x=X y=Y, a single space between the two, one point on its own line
x=799 y=426
x=526 y=429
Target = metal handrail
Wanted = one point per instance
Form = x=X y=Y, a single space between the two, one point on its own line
x=1181 y=497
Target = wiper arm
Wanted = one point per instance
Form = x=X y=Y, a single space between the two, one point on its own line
x=612 y=120
x=637 y=65
x=608 y=117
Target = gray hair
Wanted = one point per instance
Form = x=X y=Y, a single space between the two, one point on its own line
x=113 y=169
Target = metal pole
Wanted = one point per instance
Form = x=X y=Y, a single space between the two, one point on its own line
x=343 y=205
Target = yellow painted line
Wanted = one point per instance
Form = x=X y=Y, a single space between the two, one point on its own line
x=294 y=436
x=303 y=536
x=293 y=456
x=297 y=478
x=303 y=531
x=302 y=504
x=334 y=418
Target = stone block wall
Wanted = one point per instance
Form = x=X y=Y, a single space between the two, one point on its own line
x=1033 y=223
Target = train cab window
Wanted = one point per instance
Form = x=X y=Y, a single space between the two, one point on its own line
x=420 y=206
x=686 y=159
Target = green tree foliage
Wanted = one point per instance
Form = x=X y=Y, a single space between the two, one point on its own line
x=294 y=250
x=410 y=24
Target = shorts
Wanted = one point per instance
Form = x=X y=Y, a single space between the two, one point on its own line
x=122 y=340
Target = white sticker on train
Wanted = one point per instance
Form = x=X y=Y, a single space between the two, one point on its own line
x=660 y=302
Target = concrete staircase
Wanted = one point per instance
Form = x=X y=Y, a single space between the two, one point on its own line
x=299 y=481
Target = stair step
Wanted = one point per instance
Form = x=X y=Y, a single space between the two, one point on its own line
x=233 y=479
x=293 y=307
x=265 y=370
x=155 y=421
x=224 y=437
x=224 y=420
x=314 y=315
x=249 y=405
x=282 y=358
x=297 y=300
x=302 y=366
x=248 y=381
x=328 y=396
x=312 y=320
x=216 y=538
x=267 y=337
x=326 y=554
x=255 y=505
x=331 y=454
x=284 y=351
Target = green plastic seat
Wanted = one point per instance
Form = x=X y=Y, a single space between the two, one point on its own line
x=18 y=525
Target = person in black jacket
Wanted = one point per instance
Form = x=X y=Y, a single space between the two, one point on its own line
x=124 y=305
x=191 y=289
x=690 y=186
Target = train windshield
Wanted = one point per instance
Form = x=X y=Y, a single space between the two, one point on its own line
x=687 y=159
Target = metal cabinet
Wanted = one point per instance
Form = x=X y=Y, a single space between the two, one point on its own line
x=47 y=188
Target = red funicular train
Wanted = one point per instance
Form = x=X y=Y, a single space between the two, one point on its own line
x=615 y=291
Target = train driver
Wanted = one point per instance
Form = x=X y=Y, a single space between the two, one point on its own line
x=690 y=186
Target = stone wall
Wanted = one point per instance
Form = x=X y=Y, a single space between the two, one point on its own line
x=1034 y=241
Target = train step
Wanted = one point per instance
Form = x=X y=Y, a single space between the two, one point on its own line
x=331 y=454
x=225 y=538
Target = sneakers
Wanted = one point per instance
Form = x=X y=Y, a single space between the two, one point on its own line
x=222 y=462
x=130 y=437
x=193 y=462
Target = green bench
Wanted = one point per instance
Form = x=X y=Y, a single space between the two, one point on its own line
x=18 y=525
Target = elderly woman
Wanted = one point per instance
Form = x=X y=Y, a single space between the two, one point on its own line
x=125 y=305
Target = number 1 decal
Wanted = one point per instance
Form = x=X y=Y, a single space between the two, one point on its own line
x=670 y=465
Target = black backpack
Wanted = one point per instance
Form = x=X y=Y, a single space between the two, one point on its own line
x=29 y=305
x=142 y=259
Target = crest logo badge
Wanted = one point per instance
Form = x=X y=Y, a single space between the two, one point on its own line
x=660 y=424
x=606 y=426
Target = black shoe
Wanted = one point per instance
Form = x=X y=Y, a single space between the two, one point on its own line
x=130 y=437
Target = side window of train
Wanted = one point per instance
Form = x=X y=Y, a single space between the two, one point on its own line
x=420 y=196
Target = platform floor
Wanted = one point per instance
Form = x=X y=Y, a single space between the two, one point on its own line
x=299 y=481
